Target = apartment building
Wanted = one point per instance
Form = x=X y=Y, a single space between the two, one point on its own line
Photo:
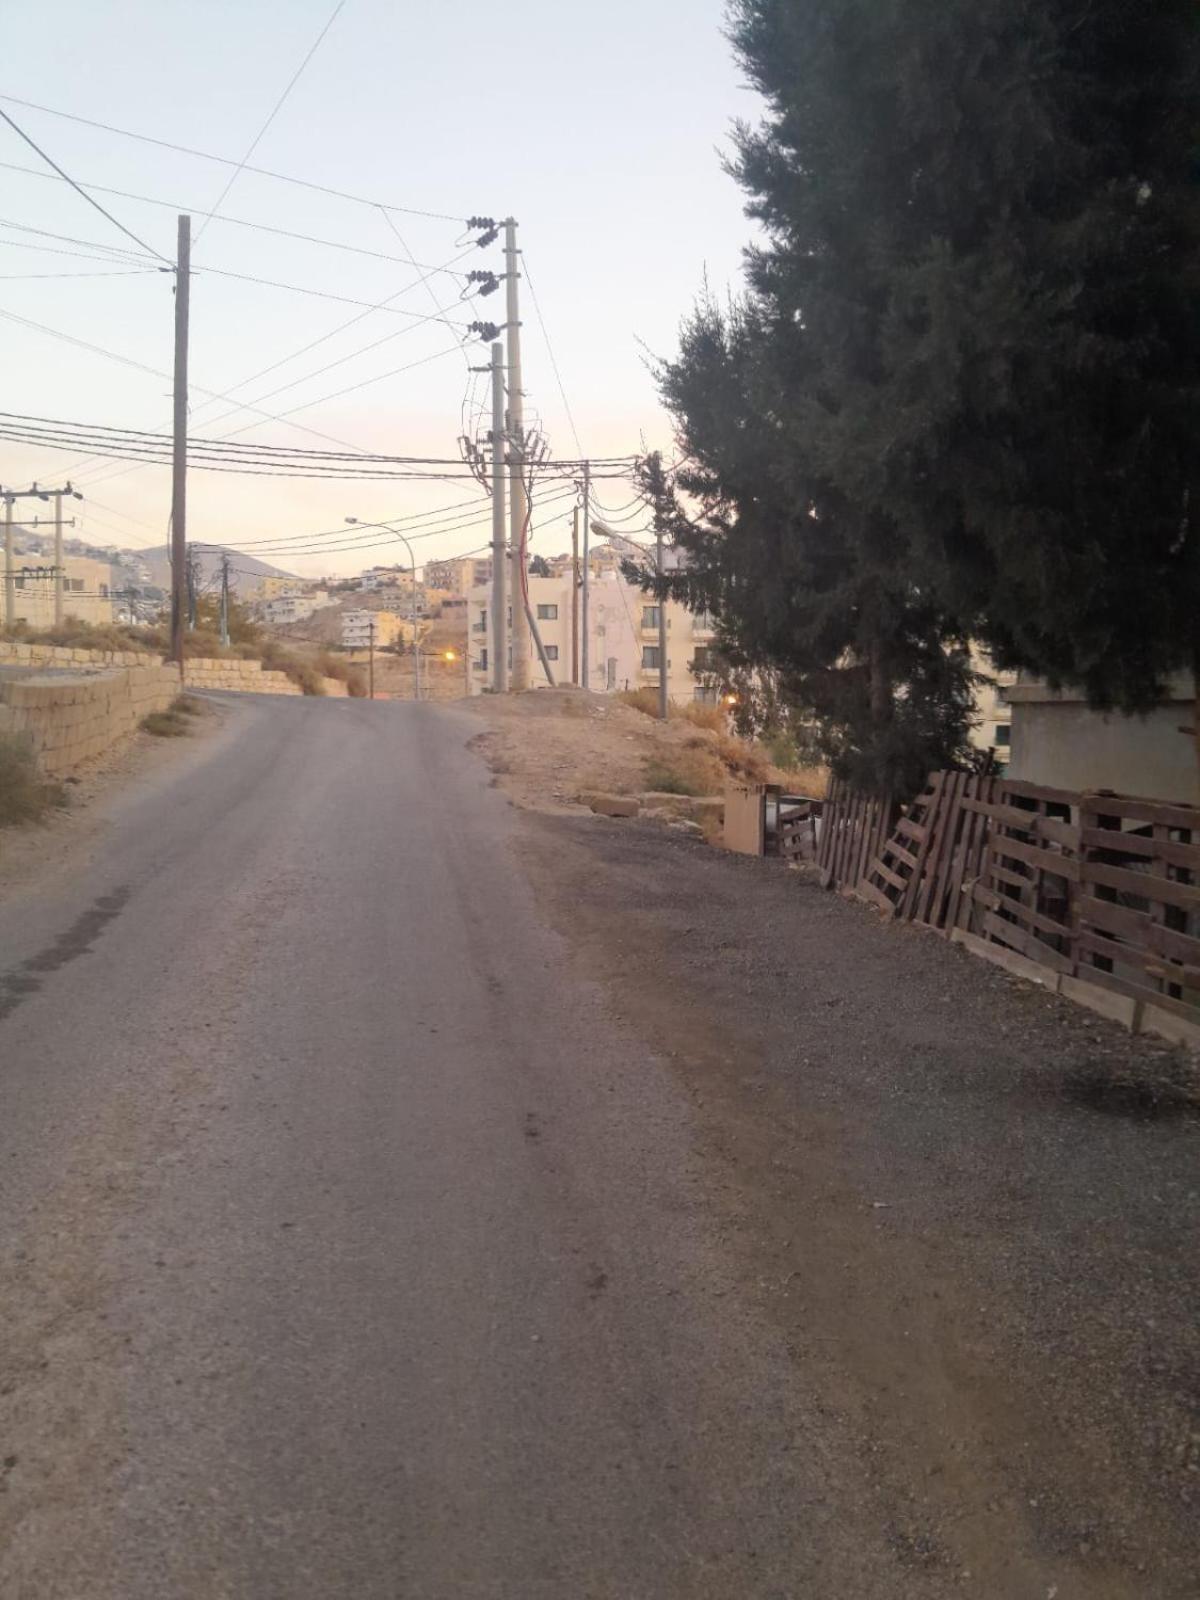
x=87 y=590
x=293 y=607
x=993 y=725
x=623 y=638
x=357 y=625
x=459 y=575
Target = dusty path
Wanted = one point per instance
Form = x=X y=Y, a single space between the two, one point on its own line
x=403 y=1197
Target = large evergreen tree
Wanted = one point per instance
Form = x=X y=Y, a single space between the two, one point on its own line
x=964 y=389
x=987 y=212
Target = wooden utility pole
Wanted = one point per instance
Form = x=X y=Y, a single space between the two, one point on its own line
x=575 y=598
x=371 y=659
x=225 y=597
x=179 y=573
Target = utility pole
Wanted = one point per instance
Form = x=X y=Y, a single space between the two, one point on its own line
x=192 y=565
x=662 y=629
x=587 y=573
x=10 y=576
x=499 y=673
x=179 y=571
x=575 y=598
x=58 y=558
x=10 y=593
x=371 y=659
x=518 y=498
x=225 y=598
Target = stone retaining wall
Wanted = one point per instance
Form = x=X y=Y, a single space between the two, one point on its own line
x=72 y=718
x=203 y=672
x=244 y=677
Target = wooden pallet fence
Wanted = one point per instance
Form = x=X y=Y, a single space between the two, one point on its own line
x=1094 y=887
x=1029 y=872
x=854 y=828
x=1137 y=905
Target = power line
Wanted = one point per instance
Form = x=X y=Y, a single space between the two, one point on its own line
x=292 y=82
x=204 y=155
x=550 y=352
x=233 y=222
x=66 y=177
x=76 y=255
x=344 y=299
x=115 y=251
x=25 y=277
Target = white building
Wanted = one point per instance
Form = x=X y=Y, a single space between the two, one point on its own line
x=293 y=607
x=623 y=638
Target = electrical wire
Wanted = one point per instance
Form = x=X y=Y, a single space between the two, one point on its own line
x=275 y=110
x=550 y=352
x=204 y=155
x=25 y=277
x=116 y=252
x=324 y=294
x=76 y=255
x=233 y=222
x=79 y=189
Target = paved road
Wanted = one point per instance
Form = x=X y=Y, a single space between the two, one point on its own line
x=351 y=1247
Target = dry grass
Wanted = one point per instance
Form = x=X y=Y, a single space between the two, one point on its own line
x=169 y=724
x=25 y=796
x=810 y=781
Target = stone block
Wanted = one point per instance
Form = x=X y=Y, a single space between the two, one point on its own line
x=614 y=805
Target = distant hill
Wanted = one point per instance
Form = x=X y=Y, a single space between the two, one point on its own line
x=246 y=569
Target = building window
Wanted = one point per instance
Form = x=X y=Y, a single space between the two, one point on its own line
x=649 y=616
x=547 y=613
x=650 y=656
x=75 y=585
x=483 y=659
x=705 y=694
x=1003 y=734
x=551 y=652
x=700 y=661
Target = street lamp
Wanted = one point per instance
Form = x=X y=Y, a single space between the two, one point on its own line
x=353 y=522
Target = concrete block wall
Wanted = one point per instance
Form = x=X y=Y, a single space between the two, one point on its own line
x=17 y=653
x=72 y=718
x=246 y=677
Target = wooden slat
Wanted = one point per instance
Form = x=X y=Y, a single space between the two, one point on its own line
x=1145 y=885
x=869 y=892
x=1037 y=791
x=912 y=830
x=1115 y=805
x=1044 y=860
x=1113 y=918
x=1139 y=844
x=1171 y=942
x=1031 y=917
x=1027 y=943
x=1139 y=991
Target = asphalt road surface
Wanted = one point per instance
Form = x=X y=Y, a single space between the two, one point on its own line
x=404 y=1197
x=350 y=1246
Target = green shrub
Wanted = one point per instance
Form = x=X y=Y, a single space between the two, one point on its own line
x=170 y=724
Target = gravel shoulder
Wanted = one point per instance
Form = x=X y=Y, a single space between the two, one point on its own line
x=970 y=1206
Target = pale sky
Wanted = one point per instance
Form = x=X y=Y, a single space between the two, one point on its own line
x=598 y=127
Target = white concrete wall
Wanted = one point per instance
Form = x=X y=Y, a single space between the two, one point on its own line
x=1058 y=740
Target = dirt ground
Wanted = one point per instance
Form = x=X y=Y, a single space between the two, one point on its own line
x=971 y=1205
x=548 y=747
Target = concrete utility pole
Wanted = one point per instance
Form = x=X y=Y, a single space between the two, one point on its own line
x=10 y=593
x=518 y=499
x=587 y=574
x=10 y=576
x=225 y=597
x=575 y=598
x=499 y=635
x=183 y=264
x=58 y=559
x=662 y=633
